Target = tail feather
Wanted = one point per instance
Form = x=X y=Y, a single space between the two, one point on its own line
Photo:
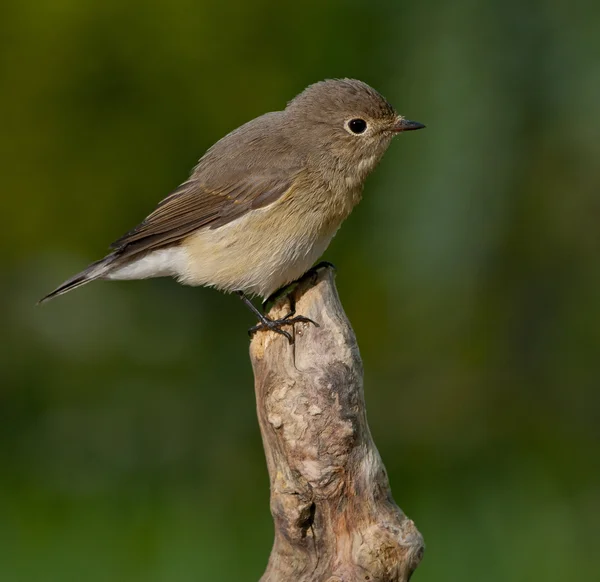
x=91 y=273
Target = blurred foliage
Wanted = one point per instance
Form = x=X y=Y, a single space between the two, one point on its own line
x=128 y=441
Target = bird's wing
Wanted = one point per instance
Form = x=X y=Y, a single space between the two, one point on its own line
x=197 y=205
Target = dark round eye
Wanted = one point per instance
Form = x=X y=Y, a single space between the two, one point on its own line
x=357 y=125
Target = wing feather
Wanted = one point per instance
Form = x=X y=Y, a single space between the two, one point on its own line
x=235 y=176
x=194 y=205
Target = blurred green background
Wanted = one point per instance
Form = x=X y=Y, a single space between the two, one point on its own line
x=129 y=447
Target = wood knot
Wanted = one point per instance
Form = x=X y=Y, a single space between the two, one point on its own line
x=389 y=552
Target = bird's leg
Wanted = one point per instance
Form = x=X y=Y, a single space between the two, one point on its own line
x=291 y=318
x=266 y=324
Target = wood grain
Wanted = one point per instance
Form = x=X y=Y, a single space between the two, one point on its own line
x=334 y=515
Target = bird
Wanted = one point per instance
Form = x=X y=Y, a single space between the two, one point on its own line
x=263 y=203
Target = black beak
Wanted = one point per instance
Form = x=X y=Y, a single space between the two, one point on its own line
x=407 y=125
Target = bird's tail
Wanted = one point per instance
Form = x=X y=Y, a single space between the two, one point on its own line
x=94 y=271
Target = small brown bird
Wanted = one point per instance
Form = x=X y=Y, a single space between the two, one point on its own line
x=264 y=202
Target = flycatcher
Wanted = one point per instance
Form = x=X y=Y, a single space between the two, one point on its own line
x=264 y=202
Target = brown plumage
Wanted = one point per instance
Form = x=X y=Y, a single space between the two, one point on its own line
x=264 y=202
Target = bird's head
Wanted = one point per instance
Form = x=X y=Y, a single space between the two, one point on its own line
x=346 y=122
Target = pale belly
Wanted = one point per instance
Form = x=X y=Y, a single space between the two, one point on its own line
x=256 y=254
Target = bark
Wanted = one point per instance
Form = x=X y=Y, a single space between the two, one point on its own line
x=334 y=515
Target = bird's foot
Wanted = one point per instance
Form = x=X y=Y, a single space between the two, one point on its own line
x=276 y=325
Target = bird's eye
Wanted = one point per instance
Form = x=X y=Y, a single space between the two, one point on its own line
x=357 y=125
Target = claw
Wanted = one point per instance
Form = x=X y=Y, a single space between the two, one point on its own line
x=266 y=324
x=276 y=325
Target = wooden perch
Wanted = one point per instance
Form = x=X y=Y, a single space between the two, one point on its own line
x=335 y=519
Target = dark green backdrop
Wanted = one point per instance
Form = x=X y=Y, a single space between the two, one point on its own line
x=129 y=448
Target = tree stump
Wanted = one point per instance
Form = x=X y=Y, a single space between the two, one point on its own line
x=334 y=515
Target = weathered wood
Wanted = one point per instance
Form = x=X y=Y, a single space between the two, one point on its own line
x=335 y=519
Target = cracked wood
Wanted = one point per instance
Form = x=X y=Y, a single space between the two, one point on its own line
x=334 y=515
